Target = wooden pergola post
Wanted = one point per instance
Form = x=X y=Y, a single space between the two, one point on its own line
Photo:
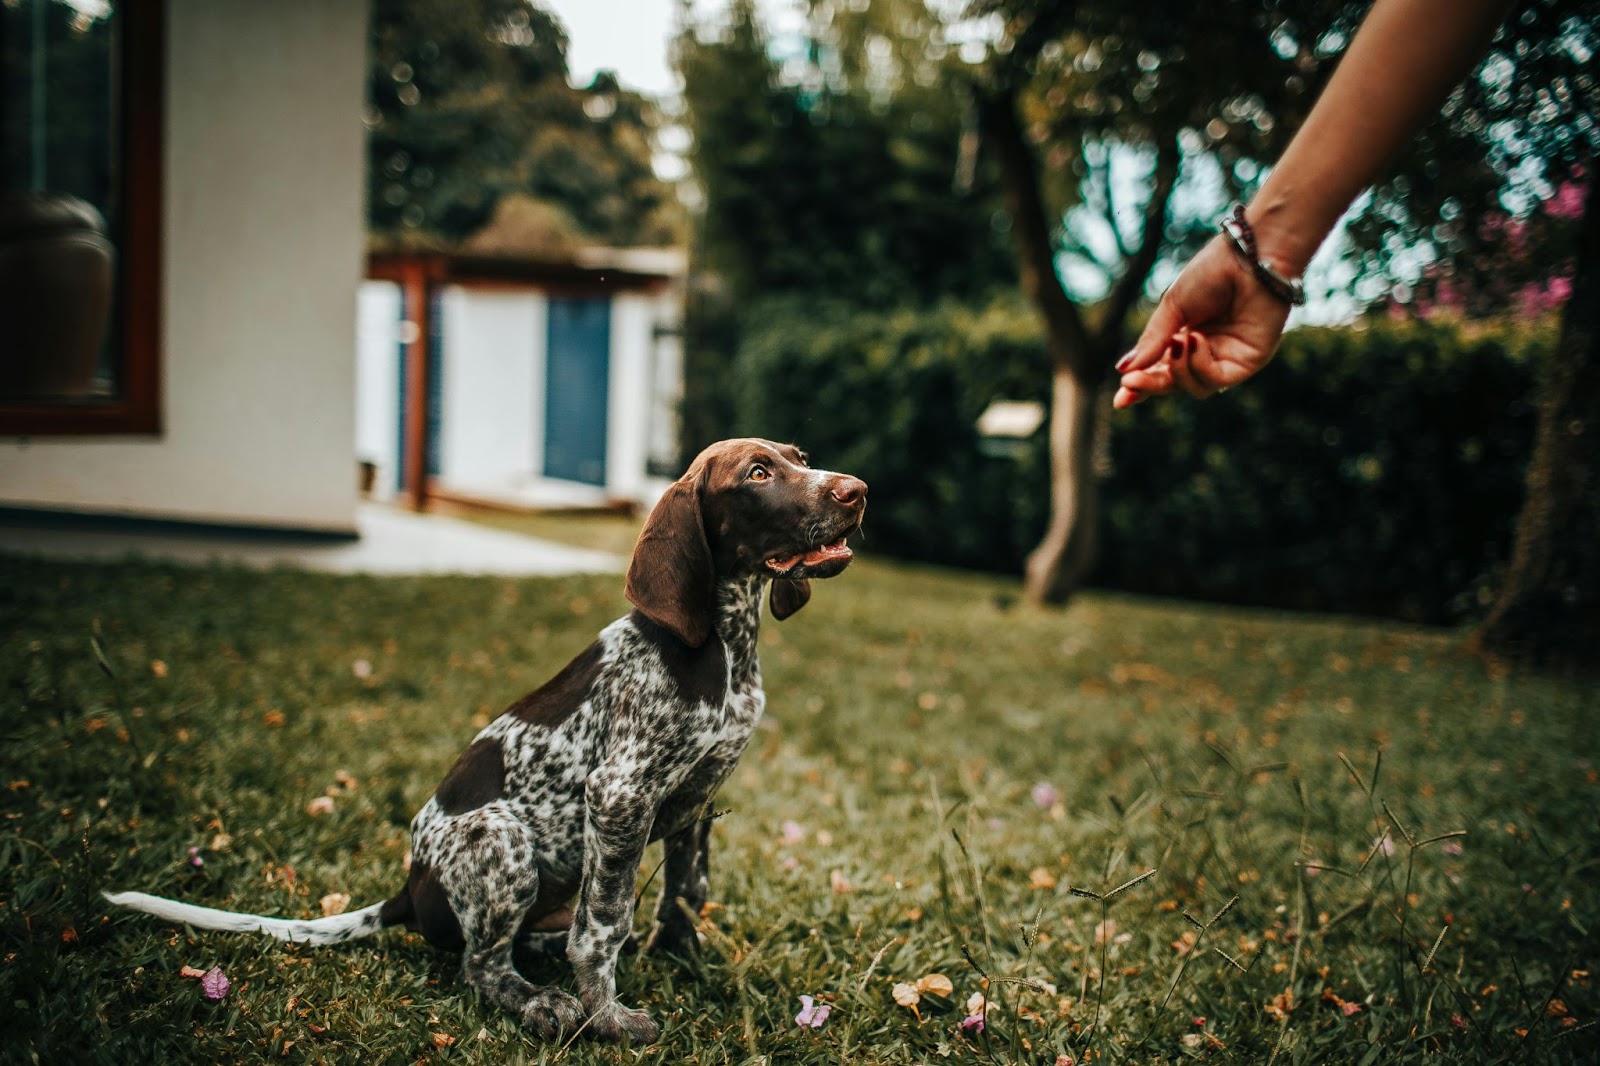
x=416 y=297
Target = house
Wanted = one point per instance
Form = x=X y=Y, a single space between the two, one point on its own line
x=533 y=381
x=225 y=152
x=227 y=392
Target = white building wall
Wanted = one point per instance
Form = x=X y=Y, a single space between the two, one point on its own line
x=378 y=355
x=263 y=230
x=492 y=403
x=632 y=323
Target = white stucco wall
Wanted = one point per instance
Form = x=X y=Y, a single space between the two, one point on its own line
x=263 y=233
x=633 y=319
x=378 y=354
x=492 y=401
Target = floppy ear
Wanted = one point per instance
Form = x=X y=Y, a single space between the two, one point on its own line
x=670 y=579
x=787 y=597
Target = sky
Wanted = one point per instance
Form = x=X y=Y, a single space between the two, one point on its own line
x=627 y=36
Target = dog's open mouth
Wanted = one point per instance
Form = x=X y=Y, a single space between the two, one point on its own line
x=822 y=555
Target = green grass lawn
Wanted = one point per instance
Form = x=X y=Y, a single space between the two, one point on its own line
x=945 y=784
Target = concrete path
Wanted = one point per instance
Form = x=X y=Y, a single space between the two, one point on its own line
x=391 y=542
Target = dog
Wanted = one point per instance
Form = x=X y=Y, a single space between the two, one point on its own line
x=558 y=797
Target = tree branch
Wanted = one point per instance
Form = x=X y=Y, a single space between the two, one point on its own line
x=1103 y=174
x=1109 y=337
x=1068 y=337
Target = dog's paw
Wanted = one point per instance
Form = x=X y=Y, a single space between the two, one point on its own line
x=675 y=939
x=616 y=1024
x=549 y=1012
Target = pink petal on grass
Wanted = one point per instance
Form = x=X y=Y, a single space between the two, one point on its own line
x=1045 y=795
x=972 y=1023
x=1350 y=1007
x=214 y=984
x=813 y=1015
x=792 y=832
x=194 y=857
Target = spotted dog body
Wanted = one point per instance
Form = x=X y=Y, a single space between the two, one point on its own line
x=628 y=744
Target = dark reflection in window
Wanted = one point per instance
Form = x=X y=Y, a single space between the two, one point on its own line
x=61 y=203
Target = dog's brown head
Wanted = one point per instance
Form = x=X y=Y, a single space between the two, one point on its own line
x=744 y=507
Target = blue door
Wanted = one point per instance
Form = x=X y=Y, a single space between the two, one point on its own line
x=578 y=369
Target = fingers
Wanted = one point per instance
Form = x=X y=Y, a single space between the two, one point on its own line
x=1188 y=365
x=1158 y=333
x=1192 y=365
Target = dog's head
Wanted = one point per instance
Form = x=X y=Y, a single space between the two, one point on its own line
x=744 y=507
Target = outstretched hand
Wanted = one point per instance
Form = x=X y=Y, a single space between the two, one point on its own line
x=1216 y=327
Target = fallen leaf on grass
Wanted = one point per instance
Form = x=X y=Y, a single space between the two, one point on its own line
x=214 y=984
x=908 y=994
x=320 y=805
x=335 y=903
x=813 y=1015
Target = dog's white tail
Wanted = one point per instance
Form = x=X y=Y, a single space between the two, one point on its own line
x=334 y=930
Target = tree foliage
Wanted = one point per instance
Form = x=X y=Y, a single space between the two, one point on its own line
x=468 y=103
x=1483 y=208
x=831 y=171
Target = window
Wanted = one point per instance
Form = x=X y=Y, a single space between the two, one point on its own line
x=80 y=220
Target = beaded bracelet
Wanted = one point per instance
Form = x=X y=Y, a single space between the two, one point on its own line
x=1234 y=226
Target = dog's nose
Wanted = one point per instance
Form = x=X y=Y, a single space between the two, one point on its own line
x=849 y=490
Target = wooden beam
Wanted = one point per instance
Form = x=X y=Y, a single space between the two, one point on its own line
x=417 y=292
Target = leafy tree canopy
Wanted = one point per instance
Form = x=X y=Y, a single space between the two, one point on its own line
x=468 y=103
x=1485 y=204
x=827 y=160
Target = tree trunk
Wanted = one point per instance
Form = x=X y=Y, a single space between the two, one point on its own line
x=1079 y=357
x=1548 y=607
x=1061 y=562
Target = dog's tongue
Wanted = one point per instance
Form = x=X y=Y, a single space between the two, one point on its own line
x=810 y=558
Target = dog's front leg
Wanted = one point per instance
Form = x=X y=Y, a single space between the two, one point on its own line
x=620 y=812
x=683 y=892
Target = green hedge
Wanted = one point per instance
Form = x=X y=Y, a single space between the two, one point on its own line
x=1374 y=469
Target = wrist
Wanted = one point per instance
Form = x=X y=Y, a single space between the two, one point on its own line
x=1285 y=239
x=1241 y=236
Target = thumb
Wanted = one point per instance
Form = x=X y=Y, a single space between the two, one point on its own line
x=1166 y=320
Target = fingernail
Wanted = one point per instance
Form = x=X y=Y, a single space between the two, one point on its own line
x=1122 y=364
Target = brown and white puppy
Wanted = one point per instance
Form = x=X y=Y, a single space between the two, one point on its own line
x=558 y=797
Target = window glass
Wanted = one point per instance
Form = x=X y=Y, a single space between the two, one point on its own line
x=61 y=203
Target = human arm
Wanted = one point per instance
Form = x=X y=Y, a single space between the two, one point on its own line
x=1218 y=325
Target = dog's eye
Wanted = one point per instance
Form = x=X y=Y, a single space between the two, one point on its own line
x=759 y=473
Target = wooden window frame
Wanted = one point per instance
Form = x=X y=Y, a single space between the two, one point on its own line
x=137 y=406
